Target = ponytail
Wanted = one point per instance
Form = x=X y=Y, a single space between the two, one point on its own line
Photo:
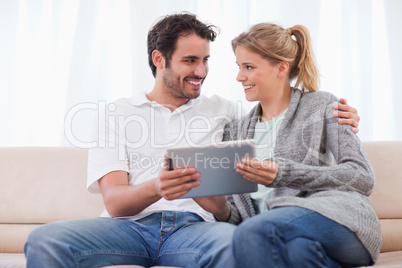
x=304 y=66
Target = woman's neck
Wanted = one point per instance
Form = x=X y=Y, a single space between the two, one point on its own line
x=275 y=105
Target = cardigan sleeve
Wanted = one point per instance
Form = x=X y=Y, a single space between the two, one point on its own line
x=227 y=135
x=240 y=204
x=352 y=171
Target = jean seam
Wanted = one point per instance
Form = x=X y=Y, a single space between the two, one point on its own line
x=181 y=251
x=273 y=237
x=81 y=255
x=320 y=256
x=162 y=234
x=109 y=252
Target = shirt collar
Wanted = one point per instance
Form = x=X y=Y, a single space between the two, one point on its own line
x=141 y=98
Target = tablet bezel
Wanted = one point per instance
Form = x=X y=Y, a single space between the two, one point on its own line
x=217 y=178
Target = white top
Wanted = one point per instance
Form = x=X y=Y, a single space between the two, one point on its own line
x=133 y=135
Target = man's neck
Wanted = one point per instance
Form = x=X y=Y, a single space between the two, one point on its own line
x=165 y=99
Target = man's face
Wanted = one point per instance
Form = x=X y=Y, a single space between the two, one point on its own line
x=188 y=67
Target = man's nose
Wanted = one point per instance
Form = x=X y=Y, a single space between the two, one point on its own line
x=201 y=70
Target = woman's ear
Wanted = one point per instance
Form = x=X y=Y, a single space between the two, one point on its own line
x=283 y=68
x=158 y=59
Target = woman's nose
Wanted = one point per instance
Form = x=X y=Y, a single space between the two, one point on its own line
x=240 y=77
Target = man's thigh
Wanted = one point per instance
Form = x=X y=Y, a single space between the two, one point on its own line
x=201 y=244
x=97 y=241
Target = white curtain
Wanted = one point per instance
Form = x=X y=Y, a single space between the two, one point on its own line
x=61 y=61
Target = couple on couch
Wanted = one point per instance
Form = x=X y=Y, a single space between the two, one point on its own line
x=307 y=211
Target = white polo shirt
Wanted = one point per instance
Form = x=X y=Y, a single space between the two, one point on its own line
x=133 y=135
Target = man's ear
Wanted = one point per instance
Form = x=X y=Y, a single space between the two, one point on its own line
x=158 y=59
x=283 y=68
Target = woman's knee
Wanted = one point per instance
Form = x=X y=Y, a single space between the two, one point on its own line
x=306 y=252
x=254 y=231
x=244 y=230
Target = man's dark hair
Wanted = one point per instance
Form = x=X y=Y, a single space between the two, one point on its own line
x=164 y=34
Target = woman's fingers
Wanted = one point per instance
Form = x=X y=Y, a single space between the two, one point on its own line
x=253 y=170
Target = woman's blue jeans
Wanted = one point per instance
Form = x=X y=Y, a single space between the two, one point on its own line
x=296 y=237
x=168 y=238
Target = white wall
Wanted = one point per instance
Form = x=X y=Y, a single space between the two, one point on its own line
x=59 y=57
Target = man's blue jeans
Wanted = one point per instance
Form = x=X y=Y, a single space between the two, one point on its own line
x=167 y=238
x=296 y=237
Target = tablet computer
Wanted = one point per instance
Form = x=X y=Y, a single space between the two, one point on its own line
x=217 y=166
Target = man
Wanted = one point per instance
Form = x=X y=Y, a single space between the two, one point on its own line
x=145 y=222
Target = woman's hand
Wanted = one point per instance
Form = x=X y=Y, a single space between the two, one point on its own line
x=264 y=172
x=348 y=115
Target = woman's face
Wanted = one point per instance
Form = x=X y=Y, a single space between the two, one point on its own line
x=257 y=75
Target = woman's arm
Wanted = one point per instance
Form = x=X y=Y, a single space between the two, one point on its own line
x=352 y=171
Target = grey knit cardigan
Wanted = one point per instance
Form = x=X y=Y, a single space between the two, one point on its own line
x=322 y=166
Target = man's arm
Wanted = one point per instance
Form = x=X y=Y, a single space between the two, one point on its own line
x=122 y=199
x=217 y=205
x=347 y=115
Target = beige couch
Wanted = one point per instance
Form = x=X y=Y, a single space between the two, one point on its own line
x=41 y=185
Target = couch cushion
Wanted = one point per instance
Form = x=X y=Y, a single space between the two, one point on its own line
x=14 y=236
x=40 y=185
x=8 y=260
x=386 y=198
x=386 y=158
x=391 y=232
x=389 y=260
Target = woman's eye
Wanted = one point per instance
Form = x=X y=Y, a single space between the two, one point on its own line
x=249 y=67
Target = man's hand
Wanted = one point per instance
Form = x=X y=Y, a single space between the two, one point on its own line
x=348 y=115
x=217 y=205
x=253 y=170
x=172 y=184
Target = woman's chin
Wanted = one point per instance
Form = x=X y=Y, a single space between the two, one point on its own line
x=250 y=98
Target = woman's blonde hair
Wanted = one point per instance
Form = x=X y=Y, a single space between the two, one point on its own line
x=276 y=44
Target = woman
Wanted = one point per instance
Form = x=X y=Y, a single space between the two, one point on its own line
x=319 y=214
